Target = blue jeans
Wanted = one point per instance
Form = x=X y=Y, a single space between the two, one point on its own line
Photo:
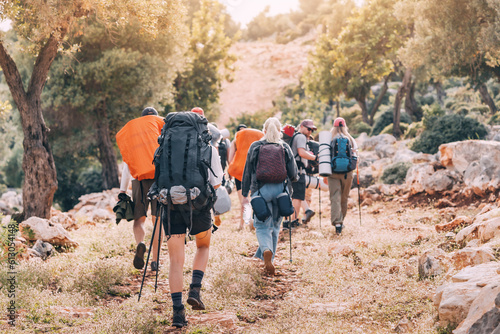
x=267 y=231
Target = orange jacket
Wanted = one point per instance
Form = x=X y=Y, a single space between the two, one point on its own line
x=244 y=138
x=137 y=142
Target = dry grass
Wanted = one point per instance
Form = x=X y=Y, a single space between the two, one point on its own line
x=368 y=291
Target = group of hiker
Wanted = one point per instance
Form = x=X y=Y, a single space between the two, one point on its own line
x=177 y=166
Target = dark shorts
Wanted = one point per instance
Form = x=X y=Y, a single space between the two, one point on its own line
x=139 y=197
x=237 y=183
x=299 y=188
x=202 y=221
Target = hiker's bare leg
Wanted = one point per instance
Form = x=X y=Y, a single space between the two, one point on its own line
x=297 y=203
x=202 y=250
x=240 y=197
x=176 y=255
x=305 y=206
x=140 y=232
x=155 y=238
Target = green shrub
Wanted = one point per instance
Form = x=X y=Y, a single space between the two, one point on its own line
x=431 y=114
x=395 y=173
x=447 y=129
x=359 y=127
x=414 y=130
x=495 y=119
x=386 y=118
x=389 y=128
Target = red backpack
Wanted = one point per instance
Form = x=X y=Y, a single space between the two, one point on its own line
x=271 y=165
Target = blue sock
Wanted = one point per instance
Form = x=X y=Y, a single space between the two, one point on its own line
x=177 y=300
x=197 y=278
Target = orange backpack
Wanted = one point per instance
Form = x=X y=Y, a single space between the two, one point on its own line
x=244 y=138
x=137 y=142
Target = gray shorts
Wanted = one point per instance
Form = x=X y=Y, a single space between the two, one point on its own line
x=299 y=188
x=139 y=196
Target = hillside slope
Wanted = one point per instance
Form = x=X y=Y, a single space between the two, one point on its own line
x=263 y=69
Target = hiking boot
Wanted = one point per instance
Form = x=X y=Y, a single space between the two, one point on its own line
x=338 y=228
x=194 y=297
x=309 y=215
x=179 y=318
x=139 y=256
x=268 y=262
x=154 y=266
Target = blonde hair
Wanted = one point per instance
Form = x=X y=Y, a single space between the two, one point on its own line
x=341 y=130
x=272 y=130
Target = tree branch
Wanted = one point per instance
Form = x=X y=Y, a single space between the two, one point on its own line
x=12 y=75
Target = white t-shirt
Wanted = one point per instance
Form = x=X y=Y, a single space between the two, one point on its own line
x=214 y=180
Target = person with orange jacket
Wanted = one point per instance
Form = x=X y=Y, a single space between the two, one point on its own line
x=137 y=142
x=243 y=139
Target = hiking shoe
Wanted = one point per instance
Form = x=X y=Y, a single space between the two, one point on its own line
x=268 y=262
x=194 y=298
x=179 y=318
x=139 y=256
x=154 y=266
x=338 y=228
x=309 y=215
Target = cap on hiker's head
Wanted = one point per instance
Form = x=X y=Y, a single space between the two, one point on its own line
x=199 y=111
x=149 y=111
x=339 y=121
x=241 y=126
x=308 y=123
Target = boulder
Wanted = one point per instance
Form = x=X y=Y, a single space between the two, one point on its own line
x=471 y=256
x=404 y=155
x=38 y=228
x=374 y=142
x=484 y=312
x=477 y=160
x=454 y=300
x=440 y=180
x=423 y=157
x=44 y=249
x=416 y=175
x=63 y=218
x=432 y=262
x=485 y=227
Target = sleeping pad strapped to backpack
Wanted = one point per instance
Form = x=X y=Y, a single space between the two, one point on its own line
x=182 y=163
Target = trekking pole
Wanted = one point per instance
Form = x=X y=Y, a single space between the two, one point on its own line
x=147 y=260
x=290 y=234
x=159 y=247
x=319 y=188
x=359 y=196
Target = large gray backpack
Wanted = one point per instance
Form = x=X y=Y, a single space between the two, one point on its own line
x=182 y=163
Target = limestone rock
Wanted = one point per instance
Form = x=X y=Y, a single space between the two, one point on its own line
x=440 y=181
x=416 y=175
x=472 y=256
x=459 y=221
x=45 y=249
x=226 y=320
x=329 y=307
x=432 y=262
x=374 y=142
x=340 y=249
x=483 y=315
x=38 y=228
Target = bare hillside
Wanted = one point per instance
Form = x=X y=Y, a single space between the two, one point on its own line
x=263 y=69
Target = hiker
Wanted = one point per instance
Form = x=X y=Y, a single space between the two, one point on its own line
x=279 y=167
x=186 y=190
x=137 y=142
x=302 y=156
x=339 y=183
x=238 y=155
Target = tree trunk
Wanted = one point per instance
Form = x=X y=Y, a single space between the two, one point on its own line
x=440 y=93
x=483 y=90
x=411 y=106
x=337 y=104
x=405 y=86
x=40 y=181
x=380 y=96
x=364 y=109
x=107 y=156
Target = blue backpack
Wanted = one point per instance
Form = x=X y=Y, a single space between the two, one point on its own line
x=343 y=160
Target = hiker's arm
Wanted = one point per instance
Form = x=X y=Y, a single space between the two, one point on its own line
x=126 y=177
x=305 y=154
x=248 y=171
x=291 y=166
x=215 y=180
x=232 y=151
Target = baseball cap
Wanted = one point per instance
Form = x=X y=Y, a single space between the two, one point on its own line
x=199 y=111
x=241 y=126
x=339 y=121
x=308 y=123
x=149 y=111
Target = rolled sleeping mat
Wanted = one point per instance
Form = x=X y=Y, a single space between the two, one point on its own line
x=324 y=154
x=225 y=133
x=314 y=182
